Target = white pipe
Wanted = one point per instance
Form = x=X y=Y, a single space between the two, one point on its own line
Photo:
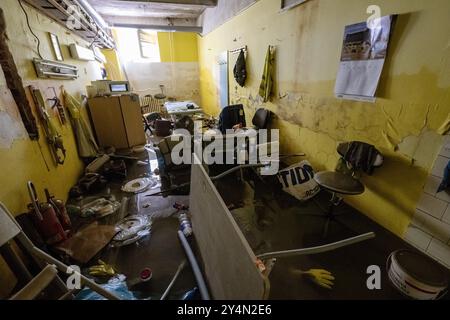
x=175 y=277
x=316 y=250
x=63 y=268
x=97 y=17
x=195 y=268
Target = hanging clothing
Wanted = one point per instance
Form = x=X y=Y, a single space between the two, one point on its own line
x=445 y=184
x=86 y=144
x=265 y=89
x=240 y=69
x=362 y=156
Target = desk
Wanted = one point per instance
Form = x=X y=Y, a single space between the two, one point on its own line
x=180 y=108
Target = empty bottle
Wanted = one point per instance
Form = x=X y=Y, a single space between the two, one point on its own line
x=185 y=225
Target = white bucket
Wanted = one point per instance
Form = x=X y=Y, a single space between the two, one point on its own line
x=417 y=275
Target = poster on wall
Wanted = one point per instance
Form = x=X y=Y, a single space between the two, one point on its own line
x=363 y=55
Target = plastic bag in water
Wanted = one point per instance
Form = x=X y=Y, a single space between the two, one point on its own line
x=116 y=285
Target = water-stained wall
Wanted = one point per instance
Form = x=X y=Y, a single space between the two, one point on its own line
x=21 y=159
x=407 y=121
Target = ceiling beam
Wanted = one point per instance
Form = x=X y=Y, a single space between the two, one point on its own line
x=206 y=3
x=180 y=25
x=161 y=27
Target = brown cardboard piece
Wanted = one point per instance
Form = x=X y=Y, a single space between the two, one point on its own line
x=87 y=242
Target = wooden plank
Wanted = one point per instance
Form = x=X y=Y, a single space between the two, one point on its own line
x=37 y=285
x=14 y=82
x=229 y=262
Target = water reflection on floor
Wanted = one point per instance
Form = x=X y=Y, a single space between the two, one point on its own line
x=298 y=225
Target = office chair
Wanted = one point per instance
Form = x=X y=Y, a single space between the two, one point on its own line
x=261 y=119
x=231 y=116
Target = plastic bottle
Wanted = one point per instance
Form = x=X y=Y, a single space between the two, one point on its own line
x=190 y=295
x=185 y=225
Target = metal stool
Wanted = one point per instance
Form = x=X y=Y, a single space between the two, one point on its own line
x=338 y=184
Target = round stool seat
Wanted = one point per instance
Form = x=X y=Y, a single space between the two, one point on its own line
x=339 y=183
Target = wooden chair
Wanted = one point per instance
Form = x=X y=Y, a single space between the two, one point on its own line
x=10 y=230
x=150 y=104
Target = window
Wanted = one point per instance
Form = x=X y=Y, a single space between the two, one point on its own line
x=148 y=43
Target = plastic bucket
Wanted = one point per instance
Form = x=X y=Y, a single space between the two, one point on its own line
x=416 y=275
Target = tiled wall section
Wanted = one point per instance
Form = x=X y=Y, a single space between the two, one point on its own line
x=430 y=229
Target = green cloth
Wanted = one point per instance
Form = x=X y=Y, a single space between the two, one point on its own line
x=265 y=89
x=86 y=144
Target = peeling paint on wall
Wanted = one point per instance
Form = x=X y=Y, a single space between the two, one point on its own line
x=11 y=125
x=179 y=78
x=406 y=120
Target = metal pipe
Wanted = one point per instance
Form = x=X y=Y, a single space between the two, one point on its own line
x=95 y=15
x=244 y=166
x=220 y=176
x=195 y=268
x=318 y=249
x=193 y=29
x=175 y=277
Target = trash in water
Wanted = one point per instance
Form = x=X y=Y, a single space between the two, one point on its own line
x=100 y=208
x=102 y=270
x=139 y=185
x=191 y=295
x=116 y=285
x=132 y=229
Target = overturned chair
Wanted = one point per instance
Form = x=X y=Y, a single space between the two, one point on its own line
x=34 y=285
x=356 y=158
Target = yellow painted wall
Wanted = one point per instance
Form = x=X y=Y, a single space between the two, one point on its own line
x=21 y=160
x=414 y=90
x=112 y=65
x=178 y=46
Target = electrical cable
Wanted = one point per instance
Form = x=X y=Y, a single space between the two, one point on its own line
x=31 y=30
x=96 y=36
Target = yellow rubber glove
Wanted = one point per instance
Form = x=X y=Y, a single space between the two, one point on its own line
x=102 y=269
x=322 y=278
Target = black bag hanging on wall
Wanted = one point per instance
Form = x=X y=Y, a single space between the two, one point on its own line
x=240 y=69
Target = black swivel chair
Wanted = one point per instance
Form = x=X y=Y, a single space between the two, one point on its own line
x=261 y=119
x=231 y=116
x=363 y=158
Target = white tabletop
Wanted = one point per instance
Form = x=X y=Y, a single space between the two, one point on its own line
x=181 y=107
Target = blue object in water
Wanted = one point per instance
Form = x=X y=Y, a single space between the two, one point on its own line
x=190 y=295
x=446 y=181
x=116 y=285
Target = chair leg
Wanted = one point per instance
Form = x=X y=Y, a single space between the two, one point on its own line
x=147 y=126
x=328 y=218
x=329 y=215
x=15 y=264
